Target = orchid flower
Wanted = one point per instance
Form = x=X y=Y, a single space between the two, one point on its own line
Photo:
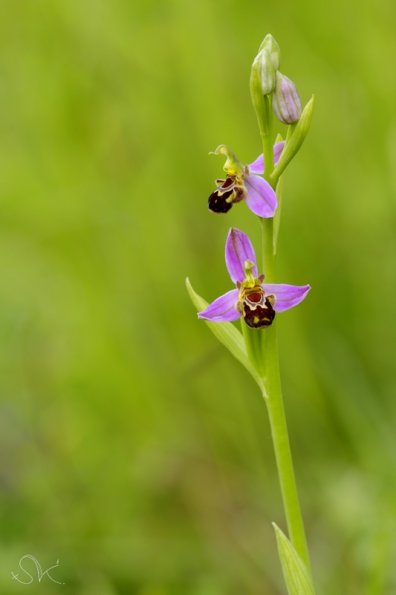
x=244 y=182
x=255 y=301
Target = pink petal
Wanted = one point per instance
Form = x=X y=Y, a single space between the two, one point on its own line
x=257 y=167
x=261 y=198
x=223 y=309
x=238 y=249
x=286 y=296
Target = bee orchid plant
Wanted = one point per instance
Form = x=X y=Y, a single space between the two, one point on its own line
x=256 y=299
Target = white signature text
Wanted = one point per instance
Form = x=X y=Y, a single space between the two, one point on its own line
x=31 y=571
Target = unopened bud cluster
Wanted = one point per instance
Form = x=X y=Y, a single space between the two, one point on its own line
x=285 y=99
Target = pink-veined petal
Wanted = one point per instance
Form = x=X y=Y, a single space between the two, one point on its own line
x=286 y=296
x=238 y=250
x=223 y=309
x=257 y=167
x=261 y=198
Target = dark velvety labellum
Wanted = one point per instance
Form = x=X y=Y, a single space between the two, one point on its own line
x=218 y=202
x=258 y=315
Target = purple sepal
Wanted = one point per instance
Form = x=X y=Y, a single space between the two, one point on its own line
x=238 y=249
x=286 y=296
x=261 y=198
x=257 y=167
x=223 y=309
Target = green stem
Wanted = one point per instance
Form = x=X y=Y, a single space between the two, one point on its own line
x=267 y=350
x=266 y=131
x=280 y=439
x=272 y=382
x=276 y=413
x=268 y=249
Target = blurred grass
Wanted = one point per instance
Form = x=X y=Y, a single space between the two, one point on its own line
x=133 y=448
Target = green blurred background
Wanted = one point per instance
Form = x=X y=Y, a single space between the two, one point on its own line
x=133 y=448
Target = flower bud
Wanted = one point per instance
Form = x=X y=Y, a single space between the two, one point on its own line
x=286 y=101
x=266 y=64
x=272 y=47
x=265 y=72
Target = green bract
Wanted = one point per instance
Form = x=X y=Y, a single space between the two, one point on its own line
x=295 y=573
x=227 y=334
x=295 y=140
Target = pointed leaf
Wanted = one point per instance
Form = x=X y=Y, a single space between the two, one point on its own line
x=295 y=573
x=226 y=333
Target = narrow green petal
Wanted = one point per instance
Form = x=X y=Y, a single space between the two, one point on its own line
x=226 y=333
